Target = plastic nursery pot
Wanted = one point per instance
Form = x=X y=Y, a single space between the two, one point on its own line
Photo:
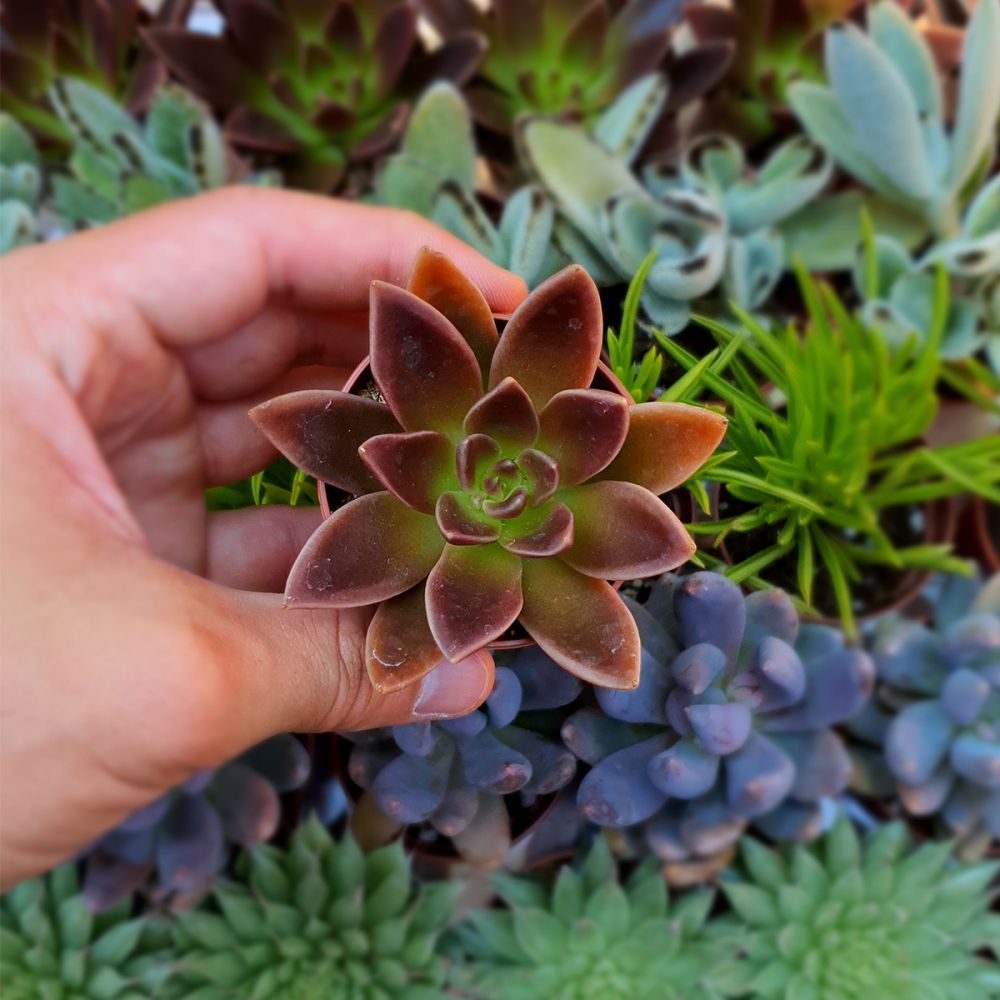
x=361 y=382
x=433 y=853
x=979 y=533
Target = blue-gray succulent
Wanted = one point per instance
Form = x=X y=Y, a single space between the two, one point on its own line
x=731 y=723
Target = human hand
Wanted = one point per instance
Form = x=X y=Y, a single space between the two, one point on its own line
x=142 y=640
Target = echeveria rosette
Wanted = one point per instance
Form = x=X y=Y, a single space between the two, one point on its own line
x=852 y=919
x=591 y=934
x=454 y=775
x=175 y=846
x=730 y=725
x=937 y=714
x=329 y=82
x=493 y=485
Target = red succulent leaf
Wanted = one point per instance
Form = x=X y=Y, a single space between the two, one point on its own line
x=583 y=430
x=581 y=623
x=396 y=36
x=472 y=456
x=586 y=39
x=461 y=526
x=320 y=431
x=246 y=126
x=425 y=369
x=399 y=648
x=553 y=340
x=371 y=549
x=541 y=473
x=506 y=414
x=414 y=467
x=473 y=597
x=202 y=62
x=623 y=531
x=509 y=507
x=667 y=443
x=546 y=532
x=435 y=279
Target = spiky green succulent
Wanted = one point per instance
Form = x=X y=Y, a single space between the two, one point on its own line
x=852 y=920
x=54 y=948
x=591 y=936
x=119 y=166
x=318 y=920
x=20 y=185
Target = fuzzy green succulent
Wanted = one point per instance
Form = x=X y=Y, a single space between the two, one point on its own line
x=20 y=184
x=318 y=920
x=591 y=936
x=119 y=166
x=54 y=948
x=853 y=920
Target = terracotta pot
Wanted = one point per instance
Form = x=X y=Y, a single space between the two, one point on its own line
x=361 y=378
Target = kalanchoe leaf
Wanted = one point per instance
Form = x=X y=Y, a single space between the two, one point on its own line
x=556 y=600
x=963 y=696
x=694 y=668
x=622 y=531
x=553 y=340
x=414 y=738
x=426 y=370
x=710 y=608
x=191 y=849
x=977 y=759
x=490 y=765
x=410 y=788
x=778 y=675
x=541 y=534
x=822 y=764
x=504 y=701
x=321 y=430
x=618 y=792
x=399 y=647
x=460 y=525
x=759 y=776
x=583 y=430
x=436 y=280
x=684 y=771
x=506 y=415
x=666 y=444
x=415 y=468
x=720 y=729
x=344 y=563
x=473 y=597
x=543 y=684
x=647 y=702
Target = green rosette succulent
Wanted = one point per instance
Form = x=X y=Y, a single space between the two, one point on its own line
x=589 y=935
x=318 y=920
x=20 y=185
x=848 y=919
x=119 y=166
x=54 y=948
x=325 y=83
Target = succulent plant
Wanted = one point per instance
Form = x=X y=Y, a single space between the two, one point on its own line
x=775 y=42
x=882 y=117
x=90 y=40
x=327 y=83
x=320 y=919
x=731 y=722
x=711 y=222
x=556 y=57
x=591 y=935
x=493 y=485
x=53 y=946
x=119 y=167
x=455 y=774
x=831 y=490
x=898 y=290
x=936 y=716
x=20 y=185
x=846 y=919
x=184 y=837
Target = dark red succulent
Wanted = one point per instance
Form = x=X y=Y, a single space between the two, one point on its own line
x=493 y=484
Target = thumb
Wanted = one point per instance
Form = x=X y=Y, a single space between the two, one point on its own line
x=300 y=670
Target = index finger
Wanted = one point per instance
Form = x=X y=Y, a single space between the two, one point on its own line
x=201 y=268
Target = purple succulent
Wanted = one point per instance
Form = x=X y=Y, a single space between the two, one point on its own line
x=731 y=722
x=454 y=775
x=493 y=485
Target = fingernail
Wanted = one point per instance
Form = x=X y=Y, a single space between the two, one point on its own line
x=453 y=689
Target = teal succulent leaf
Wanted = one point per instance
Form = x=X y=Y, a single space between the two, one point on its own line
x=54 y=946
x=20 y=184
x=589 y=934
x=317 y=920
x=846 y=919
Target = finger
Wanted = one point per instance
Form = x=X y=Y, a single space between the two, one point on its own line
x=303 y=671
x=279 y=338
x=233 y=446
x=198 y=269
x=254 y=548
